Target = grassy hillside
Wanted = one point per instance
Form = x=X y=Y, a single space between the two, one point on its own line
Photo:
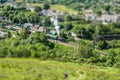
x=34 y=69
x=57 y=7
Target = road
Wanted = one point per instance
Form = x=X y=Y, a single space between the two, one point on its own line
x=63 y=43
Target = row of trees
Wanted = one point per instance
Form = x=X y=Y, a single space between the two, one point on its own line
x=76 y=5
x=37 y=46
x=22 y=15
x=89 y=31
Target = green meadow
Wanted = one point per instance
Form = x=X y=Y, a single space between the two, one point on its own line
x=56 y=7
x=35 y=69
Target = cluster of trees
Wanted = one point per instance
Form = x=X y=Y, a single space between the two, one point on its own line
x=22 y=15
x=91 y=31
x=37 y=46
x=88 y=31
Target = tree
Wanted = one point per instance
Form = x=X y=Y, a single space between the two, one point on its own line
x=63 y=35
x=2 y=25
x=24 y=34
x=102 y=44
x=39 y=37
x=38 y=9
x=85 y=49
x=9 y=34
x=107 y=8
x=80 y=31
x=102 y=29
x=7 y=7
x=98 y=12
x=45 y=21
x=2 y=13
x=67 y=18
x=68 y=27
x=111 y=57
x=46 y=6
x=52 y=1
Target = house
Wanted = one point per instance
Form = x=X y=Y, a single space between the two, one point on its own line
x=88 y=11
x=52 y=19
x=44 y=12
x=54 y=14
x=74 y=35
x=12 y=4
x=31 y=9
x=42 y=29
x=1 y=18
x=109 y=18
x=60 y=16
x=92 y=17
x=36 y=26
x=3 y=34
x=48 y=12
x=28 y=24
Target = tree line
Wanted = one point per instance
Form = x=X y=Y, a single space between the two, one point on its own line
x=37 y=46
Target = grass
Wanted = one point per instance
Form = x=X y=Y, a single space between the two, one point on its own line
x=59 y=8
x=35 y=69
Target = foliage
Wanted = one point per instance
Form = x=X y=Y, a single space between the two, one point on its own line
x=107 y=8
x=112 y=57
x=19 y=15
x=24 y=34
x=45 y=21
x=68 y=27
x=67 y=18
x=46 y=6
x=98 y=12
x=85 y=49
x=102 y=44
x=38 y=9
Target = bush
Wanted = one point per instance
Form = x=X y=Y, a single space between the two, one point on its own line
x=117 y=65
x=92 y=60
x=67 y=18
x=102 y=45
x=46 y=6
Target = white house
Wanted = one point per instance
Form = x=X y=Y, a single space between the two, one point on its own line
x=88 y=11
x=42 y=29
x=90 y=17
x=110 y=18
x=3 y=34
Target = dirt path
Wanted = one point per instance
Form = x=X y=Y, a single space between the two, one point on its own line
x=63 y=43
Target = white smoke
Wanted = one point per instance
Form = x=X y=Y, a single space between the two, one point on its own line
x=55 y=22
x=57 y=27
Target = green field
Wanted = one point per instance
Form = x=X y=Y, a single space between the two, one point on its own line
x=35 y=69
x=56 y=7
